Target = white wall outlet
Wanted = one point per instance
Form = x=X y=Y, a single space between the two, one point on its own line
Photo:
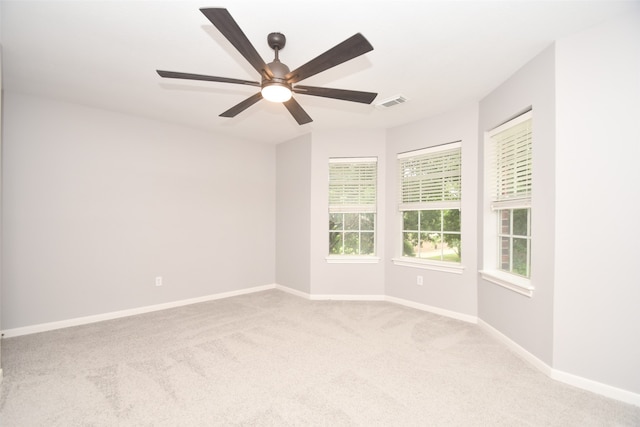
x=419 y=280
x=159 y=281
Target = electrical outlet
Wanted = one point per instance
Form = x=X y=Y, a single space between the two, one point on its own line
x=419 y=281
x=159 y=281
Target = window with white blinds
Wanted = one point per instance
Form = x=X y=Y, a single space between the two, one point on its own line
x=430 y=178
x=352 y=185
x=510 y=161
x=430 y=184
x=352 y=208
x=508 y=189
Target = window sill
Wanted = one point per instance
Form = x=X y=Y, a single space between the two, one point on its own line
x=352 y=259
x=447 y=267
x=512 y=282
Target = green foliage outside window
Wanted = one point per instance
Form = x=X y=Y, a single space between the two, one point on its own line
x=351 y=234
x=515 y=238
x=432 y=234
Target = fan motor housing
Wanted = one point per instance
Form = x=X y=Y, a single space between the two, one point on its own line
x=279 y=71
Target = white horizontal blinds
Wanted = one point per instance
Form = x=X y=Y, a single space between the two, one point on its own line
x=510 y=164
x=430 y=178
x=352 y=185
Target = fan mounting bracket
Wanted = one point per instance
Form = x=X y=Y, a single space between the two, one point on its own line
x=276 y=41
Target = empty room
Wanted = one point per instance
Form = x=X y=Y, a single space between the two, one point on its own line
x=300 y=213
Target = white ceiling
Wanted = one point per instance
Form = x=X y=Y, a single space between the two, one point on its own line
x=438 y=54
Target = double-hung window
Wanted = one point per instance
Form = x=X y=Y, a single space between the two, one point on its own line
x=430 y=194
x=508 y=176
x=352 y=206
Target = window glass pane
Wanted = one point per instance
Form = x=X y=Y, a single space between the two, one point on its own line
x=520 y=217
x=451 y=250
x=410 y=220
x=367 y=221
x=335 y=243
x=451 y=220
x=430 y=220
x=520 y=256
x=335 y=221
x=427 y=246
x=431 y=246
x=366 y=244
x=351 y=244
x=351 y=221
x=409 y=242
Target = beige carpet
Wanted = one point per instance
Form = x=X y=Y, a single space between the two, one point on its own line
x=273 y=359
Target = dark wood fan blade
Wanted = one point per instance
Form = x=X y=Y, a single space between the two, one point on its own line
x=344 y=95
x=354 y=46
x=189 y=76
x=297 y=112
x=239 y=108
x=224 y=22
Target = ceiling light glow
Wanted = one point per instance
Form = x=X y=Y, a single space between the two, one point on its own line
x=276 y=92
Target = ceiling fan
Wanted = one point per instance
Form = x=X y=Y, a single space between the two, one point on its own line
x=278 y=81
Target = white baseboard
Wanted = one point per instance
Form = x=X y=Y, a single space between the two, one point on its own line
x=564 y=377
x=400 y=301
x=44 y=327
x=434 y=310
x=567 y=378
x=293 y=292
x=345 y=297
x=331 y=297
x=596 y=387
x=516 y=348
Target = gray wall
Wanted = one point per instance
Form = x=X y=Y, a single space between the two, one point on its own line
x=597 y=316
x=344 y=279
x=527 y=321
x=1 y=120
x=449 y=291
x=96 y=204
x=302 y=218
x=293 y=218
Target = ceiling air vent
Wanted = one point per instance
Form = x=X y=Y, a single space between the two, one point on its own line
x=390 y=102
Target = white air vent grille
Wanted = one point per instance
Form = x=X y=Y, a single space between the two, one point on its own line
x=390 y=102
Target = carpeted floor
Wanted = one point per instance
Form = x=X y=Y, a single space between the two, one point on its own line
x=273 y=359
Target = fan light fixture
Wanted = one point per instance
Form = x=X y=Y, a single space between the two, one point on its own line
x=277 y=81
x=276 y=92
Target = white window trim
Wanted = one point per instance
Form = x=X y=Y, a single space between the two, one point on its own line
x=444 y=266
x=429 y=150
x=352 y=259
x=447 y=267
x=515 y=283
x=358 y=259
x=521 y=285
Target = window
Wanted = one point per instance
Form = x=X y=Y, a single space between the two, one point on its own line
x=508 y=177
x=430 y=192
x=352 y=206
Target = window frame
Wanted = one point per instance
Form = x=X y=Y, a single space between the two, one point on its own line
x=365 y=204
x=494 y=205
x=420 y=204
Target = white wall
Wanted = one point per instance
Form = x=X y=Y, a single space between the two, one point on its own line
x=97 y=204
x=597 y=312
x=344 y=279
x=449 y=291
x=527 y=321
x=293 y=218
